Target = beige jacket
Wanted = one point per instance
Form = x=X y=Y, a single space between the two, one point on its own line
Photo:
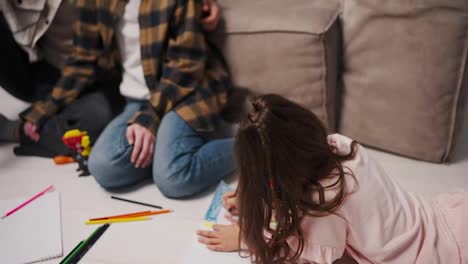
x=29 y=20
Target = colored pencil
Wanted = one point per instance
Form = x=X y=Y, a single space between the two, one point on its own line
x=144 y=213
x=71 y=253
x=68 y=259
x=135 y=202
x=85 y=246
x=120 y=216
x=117 y=220
x=28 y=201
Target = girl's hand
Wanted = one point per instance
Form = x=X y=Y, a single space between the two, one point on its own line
x=211 y=15
x=231 y=203
x=31 y=131
x=143 y=145
x=223 y=238
x=232 y=218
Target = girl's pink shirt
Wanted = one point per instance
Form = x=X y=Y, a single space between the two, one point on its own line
x=379 y=222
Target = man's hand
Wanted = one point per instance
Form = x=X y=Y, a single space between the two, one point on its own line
x=31 y=131
x=143 y=145
x=223 y=238
x=211 y=15
x=231 y=203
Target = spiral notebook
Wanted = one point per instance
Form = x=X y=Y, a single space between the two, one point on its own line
x=33 y=233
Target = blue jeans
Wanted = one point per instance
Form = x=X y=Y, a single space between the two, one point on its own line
x=184 y=163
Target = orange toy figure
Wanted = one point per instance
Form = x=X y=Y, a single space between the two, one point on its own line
x=79 y=142
x=59 y=160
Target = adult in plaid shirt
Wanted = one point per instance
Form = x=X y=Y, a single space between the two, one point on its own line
x=175 y=87
x=35 y=42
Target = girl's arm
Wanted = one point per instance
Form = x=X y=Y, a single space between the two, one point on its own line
x=223 y=238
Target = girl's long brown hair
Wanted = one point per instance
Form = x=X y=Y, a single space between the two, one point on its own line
x=282 y=153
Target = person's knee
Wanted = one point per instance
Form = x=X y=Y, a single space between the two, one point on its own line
x=99 y=166
x=106 y=169
x=95 y=112
x=174 y=181
x=101 y=108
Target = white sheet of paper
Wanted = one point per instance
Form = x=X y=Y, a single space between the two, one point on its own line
x=34 y=232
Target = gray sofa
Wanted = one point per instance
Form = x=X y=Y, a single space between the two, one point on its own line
x=391 y=74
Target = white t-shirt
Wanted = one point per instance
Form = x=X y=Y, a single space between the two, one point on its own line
x=128 y=38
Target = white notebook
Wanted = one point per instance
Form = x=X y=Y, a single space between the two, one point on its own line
x=34 y=232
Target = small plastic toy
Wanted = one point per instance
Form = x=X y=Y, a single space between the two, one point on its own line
x=79 y=142
x=60 y=160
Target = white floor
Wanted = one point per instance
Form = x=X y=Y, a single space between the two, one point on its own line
x=170 y=238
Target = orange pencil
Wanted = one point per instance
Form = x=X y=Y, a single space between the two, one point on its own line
x=138 y=214
x=122 y=215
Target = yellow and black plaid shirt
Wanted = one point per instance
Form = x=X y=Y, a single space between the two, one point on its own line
x=180 y=70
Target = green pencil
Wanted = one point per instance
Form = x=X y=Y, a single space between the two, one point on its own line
x=80 y=246
x=88 y=244
x=67 y=258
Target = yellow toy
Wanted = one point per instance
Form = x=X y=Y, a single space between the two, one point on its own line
x=79 y=142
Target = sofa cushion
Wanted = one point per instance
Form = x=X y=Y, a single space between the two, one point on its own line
x=273 y=46
x=405 y=74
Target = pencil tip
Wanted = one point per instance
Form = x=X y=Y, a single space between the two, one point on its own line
x=3 y=216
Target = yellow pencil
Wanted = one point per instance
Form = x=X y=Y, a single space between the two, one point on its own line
x=116 y=220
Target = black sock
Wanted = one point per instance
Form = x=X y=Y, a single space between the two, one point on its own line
x=9 y=129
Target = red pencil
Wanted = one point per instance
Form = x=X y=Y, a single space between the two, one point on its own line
x=28 y=201
x=120 y=216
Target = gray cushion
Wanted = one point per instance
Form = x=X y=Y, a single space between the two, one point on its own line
x=405 y=74
x=273 y=46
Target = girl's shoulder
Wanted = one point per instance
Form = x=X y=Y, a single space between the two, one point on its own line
x=340 y=142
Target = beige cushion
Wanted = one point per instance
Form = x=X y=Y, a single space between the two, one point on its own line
x=273 y=46
x=405 y=74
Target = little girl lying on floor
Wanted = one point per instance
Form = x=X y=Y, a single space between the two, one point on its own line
x=328 y=197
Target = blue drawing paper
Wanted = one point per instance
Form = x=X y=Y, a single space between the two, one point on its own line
x=217 y=202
